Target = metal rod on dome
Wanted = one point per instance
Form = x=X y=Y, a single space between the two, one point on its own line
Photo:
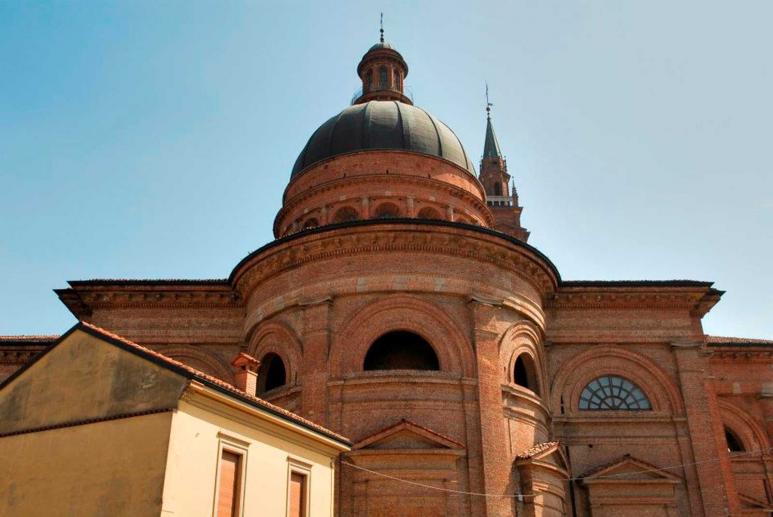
x=381 y=27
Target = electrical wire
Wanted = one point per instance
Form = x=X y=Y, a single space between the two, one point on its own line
x=522 y=495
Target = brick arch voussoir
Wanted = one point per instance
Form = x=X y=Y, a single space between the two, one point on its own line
x=523 y=337
x=277 y=338
x=401 y=312
x=745 y=426
x=576 y=373
x=206 y=362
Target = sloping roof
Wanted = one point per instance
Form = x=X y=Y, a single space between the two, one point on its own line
x=28 y=340
x=186 y=371
x=536 y=449
x=735 y=341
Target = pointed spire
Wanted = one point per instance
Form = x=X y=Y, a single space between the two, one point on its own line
x=381 y=28
x=491 y=145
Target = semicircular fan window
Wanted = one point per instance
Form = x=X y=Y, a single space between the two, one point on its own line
x=611 y=392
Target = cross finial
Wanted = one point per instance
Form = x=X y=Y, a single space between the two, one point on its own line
x=488 y=104
x=381 y=27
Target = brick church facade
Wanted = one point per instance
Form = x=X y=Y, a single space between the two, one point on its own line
x=400 y=305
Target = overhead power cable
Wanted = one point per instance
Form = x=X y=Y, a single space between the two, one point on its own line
x=522 y=495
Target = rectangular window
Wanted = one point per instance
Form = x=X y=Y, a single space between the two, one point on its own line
x=229 y=491
x=297 y=495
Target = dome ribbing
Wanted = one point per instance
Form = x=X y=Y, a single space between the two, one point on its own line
x=380 y=125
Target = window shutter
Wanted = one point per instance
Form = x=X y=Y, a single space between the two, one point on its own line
x=297 y=495
x=228 y=496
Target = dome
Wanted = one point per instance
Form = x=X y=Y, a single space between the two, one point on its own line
x=381 y=44
x=378 y=125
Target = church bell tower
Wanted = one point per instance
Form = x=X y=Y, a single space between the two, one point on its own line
x=501 y=195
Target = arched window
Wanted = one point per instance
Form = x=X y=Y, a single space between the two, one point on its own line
x=525 y=373
x=272 y=373
x=497 y=189
x=369 y=80
x=611 y=392
x=401 y=350
x=396 y=80
x=734 y=443
x=383 y=78
x=310 y=223
x=386 y=210
x=428 y=213
x=345 y=214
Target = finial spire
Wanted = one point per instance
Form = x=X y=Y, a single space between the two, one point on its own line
x=491 y=145
x=488 y=104
x=381 y=28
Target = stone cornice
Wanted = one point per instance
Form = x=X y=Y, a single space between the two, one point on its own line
x=82 y=298
x=697 y=299
x=737 y=352
x=381 y=236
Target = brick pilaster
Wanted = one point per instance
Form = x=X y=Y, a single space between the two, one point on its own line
x=494 y=451
x=712 y=463
x=316 y=347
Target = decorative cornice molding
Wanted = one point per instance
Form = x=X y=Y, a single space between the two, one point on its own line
x=398 y=236
x=83 y=299
x=448 y=188
x=691 y=299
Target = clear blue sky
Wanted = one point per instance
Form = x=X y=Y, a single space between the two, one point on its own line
x=152 y=139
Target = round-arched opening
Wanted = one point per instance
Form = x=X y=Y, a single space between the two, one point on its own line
x=734 y=443
x=429 y=213
x=497 y=189
x=615 y=393
x=525 y=373
x=401 y=350
x=345 y=214
x=311 y=222
x=386 y=211
x=271 y=374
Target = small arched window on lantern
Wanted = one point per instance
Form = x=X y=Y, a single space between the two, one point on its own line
x=401 y=350
x=345 y=214
x=272 y=373
x=386 y=211
x=734 y=444
x=429 y=213
x=368 y=80
x=383 y=78
x=611 y=392
x=396 y=80
x=525 y=373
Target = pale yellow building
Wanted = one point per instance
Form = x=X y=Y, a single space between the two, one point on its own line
x=101 y=426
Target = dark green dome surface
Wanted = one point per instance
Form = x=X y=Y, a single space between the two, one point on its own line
x=378 y=125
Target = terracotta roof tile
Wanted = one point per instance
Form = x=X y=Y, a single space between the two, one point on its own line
x=27 y=340
x=536 y=449
x=208 y=379
x=723 y=340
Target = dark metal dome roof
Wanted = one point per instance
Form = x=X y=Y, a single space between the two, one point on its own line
x=383 y=125
x=381 y=44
